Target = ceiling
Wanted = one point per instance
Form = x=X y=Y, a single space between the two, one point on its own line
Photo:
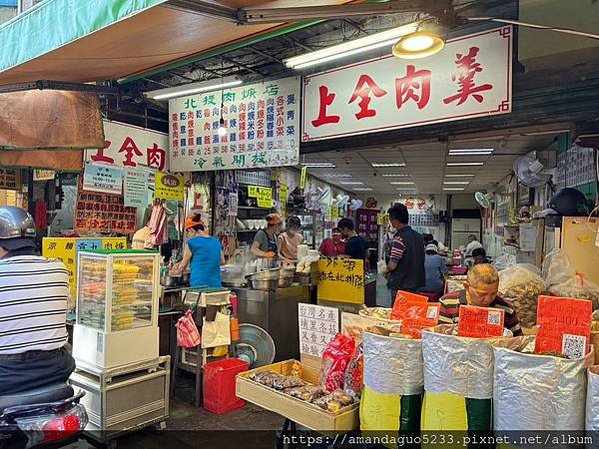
x=426 y=170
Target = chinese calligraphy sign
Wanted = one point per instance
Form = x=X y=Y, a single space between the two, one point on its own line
x=262 y=120
x=127 y=146
x=470 y=78
x=10 y=179
x=341 y=280
x=318 y=325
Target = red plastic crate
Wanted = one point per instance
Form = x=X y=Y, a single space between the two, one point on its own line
x=219 y=386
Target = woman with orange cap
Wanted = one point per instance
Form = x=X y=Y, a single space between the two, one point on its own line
x=265 y=242
x=203 y=255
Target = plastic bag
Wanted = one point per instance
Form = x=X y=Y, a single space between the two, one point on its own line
x=522 y=286
x=188 y=335
x=354 y=373
x=563 y=280
x=505 y=261
x=218 y=332
x=308 y=393
x=286 y=382
x=335 y=359
x=335 y=401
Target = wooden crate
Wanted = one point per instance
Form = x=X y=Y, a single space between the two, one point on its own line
x=301 y=412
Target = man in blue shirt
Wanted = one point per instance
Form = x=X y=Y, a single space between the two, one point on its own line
x=405 y=270
x=355 y=245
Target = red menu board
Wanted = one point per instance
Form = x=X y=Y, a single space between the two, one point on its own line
x=564 y=326
x=103 y=212
x=480 y=322
x=367 y=225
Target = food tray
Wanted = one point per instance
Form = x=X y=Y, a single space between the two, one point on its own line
x=301 y=412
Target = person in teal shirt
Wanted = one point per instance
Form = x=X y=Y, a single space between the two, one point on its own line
x=203 y=255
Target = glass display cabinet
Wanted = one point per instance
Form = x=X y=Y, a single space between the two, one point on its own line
x=117 y=307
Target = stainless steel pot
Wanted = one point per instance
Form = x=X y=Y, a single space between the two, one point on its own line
x=264 y=280
x=286 y=277
x=170 y=281
x=185 y=277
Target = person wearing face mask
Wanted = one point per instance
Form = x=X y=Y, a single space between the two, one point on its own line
x=34 y=294
x=332 y=246
x=290 y=239
x=480 y=290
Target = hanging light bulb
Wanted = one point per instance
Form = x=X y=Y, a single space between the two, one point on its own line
x=222 y=129
x=427 y=40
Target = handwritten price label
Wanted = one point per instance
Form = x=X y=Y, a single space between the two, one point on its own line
x=480 y=322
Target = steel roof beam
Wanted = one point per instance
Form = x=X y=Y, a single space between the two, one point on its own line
x=59 y=85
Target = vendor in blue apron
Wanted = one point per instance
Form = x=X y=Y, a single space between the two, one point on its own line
x=265 y=242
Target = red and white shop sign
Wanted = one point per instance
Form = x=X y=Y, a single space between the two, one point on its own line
x=127 y=146
x=470 y=78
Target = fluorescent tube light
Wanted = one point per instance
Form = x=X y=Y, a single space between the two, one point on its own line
x=450 y=189
x=363 y=189
x=351 y=183
x=465 y=164
x=395 y=175
x=319 y=165
x=401 y=183
x=350 y=48
x=455 y=175
x=337 y=175
x=194 y=88
x=391 y=164
x=471 y=152
x=456 y=183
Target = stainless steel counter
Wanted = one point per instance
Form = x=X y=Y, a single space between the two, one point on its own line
x=276 y=312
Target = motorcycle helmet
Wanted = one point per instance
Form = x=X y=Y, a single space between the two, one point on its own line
x=17 y=229
x=569 y=202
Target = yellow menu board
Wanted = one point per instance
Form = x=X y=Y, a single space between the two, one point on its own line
x=169 y=187
x=341 y=280
x=66 y=248
x=263 y=195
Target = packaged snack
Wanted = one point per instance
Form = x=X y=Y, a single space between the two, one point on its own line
x=354 y=373
x=334 y=402
x=335 y=359
x=286 y=382
x=308 y=393
x=266 y=378
x=296 y=370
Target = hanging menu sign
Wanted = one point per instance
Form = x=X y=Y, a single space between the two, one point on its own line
x=341 y=280
x=318 y=325
x=103 y=213
x=470 y=78
x=169 y=187
x=262 y=121
x=97 y=178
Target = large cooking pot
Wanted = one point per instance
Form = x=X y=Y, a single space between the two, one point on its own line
x=168 y=280
x=264 y=280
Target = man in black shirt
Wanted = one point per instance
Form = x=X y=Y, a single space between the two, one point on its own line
x=406 y=263
x=355 y=245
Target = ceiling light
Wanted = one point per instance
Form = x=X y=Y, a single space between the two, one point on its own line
x=450 y=189
x=395 y=175
x=391 y=164
x=419 y=44
x=401 y=183
x=194 y=88
x=350 y=48
x=465 y=164
x=363 y=189
x=455 y=175
x=337 y=175
x=319 y=165
x=351 y=183
x=456 y=183
x=222 y=129
x=471 y=152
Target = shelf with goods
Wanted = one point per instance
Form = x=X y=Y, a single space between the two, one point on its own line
x=117 y=307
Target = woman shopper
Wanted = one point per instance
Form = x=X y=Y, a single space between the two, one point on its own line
x=203 y=255
x=290 y=239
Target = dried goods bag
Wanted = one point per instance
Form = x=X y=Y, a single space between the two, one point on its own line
x=521 y=284
x=540 y=392
x=393 y=384
x=592 y=405
x=218 y=332
x=458 y=381
x=335 y=358
x=563 y=280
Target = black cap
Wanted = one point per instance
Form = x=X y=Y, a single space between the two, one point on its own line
x=18 y=243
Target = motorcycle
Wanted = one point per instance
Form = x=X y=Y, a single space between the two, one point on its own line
x=50 y=416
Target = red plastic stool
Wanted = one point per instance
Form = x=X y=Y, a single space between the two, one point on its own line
x=219 y=386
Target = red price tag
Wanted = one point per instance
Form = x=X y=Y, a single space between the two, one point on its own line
x=480 y=322
x=564 y=326
x=417 y=317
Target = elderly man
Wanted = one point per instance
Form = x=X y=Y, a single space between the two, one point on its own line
x=480 y=290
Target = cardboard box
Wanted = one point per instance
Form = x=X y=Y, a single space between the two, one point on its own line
x=301 y=412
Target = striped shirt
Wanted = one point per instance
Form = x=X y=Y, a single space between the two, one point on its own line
x=398 y=248
x=33 y=302
x=450 y=310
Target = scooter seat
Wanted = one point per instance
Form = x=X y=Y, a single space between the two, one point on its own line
x=48 y=393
